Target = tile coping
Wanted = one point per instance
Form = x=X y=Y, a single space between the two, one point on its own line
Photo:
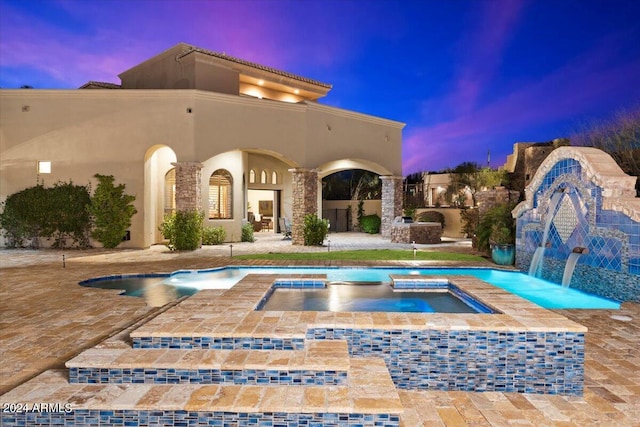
x=231 y=313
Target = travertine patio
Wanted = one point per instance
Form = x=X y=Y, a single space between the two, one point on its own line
x=47 y=319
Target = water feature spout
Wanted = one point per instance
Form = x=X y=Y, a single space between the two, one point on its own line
x=535 y=269
x=570 y=266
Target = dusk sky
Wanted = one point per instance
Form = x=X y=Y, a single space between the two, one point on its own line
x=466 y=76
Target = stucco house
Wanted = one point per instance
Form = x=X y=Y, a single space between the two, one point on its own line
x=194 y=129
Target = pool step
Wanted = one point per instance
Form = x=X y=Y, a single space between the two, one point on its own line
x=368 y=398
x=319 y=363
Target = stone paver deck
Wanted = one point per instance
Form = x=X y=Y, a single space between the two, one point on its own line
x=47 y=319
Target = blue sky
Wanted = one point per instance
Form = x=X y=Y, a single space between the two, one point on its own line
x=466 y=76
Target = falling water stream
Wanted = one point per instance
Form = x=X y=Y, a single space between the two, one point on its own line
x=569 y=267
x=535 y=269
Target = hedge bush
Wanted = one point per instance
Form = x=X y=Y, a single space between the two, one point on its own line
x=213 y=235
x=370 y=224
x=315 y=230
x=432 y=216
x=247 y=233
x=183 y=229
x=59 y=213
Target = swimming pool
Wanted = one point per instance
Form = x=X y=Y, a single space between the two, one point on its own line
x=545 y=294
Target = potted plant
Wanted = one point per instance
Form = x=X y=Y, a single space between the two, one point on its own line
x=496 y=233
x=502 y=242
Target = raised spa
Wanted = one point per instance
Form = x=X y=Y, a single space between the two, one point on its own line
x=440 y=297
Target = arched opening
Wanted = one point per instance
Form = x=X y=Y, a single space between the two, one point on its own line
x=170 y=192
x=350 y=188
x=157 y=198
x=221 y=195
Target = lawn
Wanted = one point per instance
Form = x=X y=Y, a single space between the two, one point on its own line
x=368 y=255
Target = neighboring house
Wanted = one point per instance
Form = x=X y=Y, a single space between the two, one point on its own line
x=526 y=158
x=435 y=187
x=194 y=129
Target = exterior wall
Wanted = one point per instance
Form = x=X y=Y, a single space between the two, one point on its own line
x=584 y=200
x=452 y=221
x=333 y=134
x=371 y=207
x=487 y=199
x=112 y=132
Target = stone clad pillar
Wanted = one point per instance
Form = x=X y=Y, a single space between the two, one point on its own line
x=188 y=186
x=391 y=202
x=305 y=200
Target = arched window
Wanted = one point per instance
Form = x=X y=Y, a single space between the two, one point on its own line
x=274 y=177
x=263 y=177
x=252 y=176
x=170 y=191
x=221 y=195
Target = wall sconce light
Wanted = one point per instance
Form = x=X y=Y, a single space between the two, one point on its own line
x=44 y=167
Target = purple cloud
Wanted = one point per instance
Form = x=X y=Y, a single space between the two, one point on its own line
x=481 y=52
x=569 y=92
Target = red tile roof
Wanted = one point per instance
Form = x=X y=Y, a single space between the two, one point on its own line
x=253 y=65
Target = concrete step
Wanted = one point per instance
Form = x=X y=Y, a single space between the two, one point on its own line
x=319 y=363
x=368 y=398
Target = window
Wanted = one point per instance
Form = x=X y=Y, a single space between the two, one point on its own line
x=170 y=191
x=252 y=176
x=263 y=177
x=274 y=177
x=221 y=195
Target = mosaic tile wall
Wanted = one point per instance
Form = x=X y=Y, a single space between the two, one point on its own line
x=206 y=376
x=233 y=343
x=524 y=362
x=109 y=418
x=611 y=265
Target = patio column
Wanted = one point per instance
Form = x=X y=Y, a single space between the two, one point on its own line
x=188 y=186
x=391 y=202
x=305 y=200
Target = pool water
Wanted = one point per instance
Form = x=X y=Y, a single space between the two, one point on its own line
x=364 y=296
x=544 y=293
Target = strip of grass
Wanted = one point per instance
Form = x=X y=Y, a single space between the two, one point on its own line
x=368 y=255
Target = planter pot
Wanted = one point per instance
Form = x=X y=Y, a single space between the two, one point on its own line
x=503 y=254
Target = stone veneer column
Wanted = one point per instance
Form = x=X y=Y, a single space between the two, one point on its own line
x=391 y=202
x=305 y=200
x=188 y=186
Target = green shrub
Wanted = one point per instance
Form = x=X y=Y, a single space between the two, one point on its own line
x=370 y=224
x=247 y=233
x=315 y=230
x=213 y=235
x=23 y=217
x=410 y=211
x=432 y=216
x=183 y=230
x=496 y=226
x=59 y=213
x=111 y=210
x=68 y=214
